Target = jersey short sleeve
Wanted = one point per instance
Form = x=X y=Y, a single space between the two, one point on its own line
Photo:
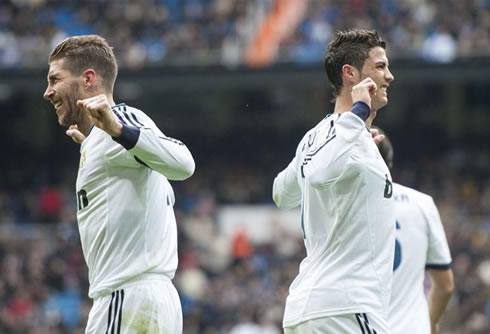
x=438 y=255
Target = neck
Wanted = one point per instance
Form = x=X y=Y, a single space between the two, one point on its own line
x=343 y=103
x=110 y=99
x=85 y=125
x=370 y=119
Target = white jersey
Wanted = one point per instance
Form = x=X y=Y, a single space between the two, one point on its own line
x=420 y=243
x=344 y=188
x=125 y=203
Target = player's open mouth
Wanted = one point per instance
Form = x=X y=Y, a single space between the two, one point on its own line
x=57 y=105
x=384 y=89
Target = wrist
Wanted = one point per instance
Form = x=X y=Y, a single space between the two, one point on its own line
x=361 y=109
x=129 y=136
x=116 y=130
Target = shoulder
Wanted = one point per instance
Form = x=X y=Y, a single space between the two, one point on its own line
x=135 y=111
x=124 y=108
x=406 y=194
x=349 y=120
x=310 y=136
x=130 y=115
x=351 y=127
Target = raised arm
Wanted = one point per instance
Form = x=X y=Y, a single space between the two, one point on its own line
x=139 y=135
x=151 y=147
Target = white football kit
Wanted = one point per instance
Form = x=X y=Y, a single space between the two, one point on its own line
x=358 y=323
x=125 y=212
x=344 y=188
x=420 y=243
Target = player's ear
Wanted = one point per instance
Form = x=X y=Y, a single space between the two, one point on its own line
x=89 y=78
x=350 y=74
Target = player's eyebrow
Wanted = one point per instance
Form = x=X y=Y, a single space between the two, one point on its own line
x=382 y=63
x=52 y=76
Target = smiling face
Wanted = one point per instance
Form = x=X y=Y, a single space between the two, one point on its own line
x=63 y=91
x=376 y=67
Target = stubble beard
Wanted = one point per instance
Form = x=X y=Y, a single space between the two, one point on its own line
x=72 y=113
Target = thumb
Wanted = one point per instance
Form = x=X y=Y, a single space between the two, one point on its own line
x=374 y=132
x=75 y=134
x=378 y=139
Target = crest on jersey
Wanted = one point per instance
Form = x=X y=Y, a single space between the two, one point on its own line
x=83 y=157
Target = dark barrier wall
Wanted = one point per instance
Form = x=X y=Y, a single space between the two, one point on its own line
x=244 y=114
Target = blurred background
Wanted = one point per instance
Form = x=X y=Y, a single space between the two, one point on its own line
x=240 y=82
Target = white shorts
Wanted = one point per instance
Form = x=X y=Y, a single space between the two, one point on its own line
x=358 y=323
x=151 y=307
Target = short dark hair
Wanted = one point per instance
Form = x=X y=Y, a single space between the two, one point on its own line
x=386 y=148
x=89 y=51
x=349 y=47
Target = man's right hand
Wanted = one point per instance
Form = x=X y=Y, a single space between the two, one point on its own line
x=363 y=91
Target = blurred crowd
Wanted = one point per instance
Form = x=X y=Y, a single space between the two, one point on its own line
x=143 y=32
x=228 y=284
x=434 y=30
x=219 y=32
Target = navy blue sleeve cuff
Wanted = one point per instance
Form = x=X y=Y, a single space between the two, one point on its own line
x=438 y=266
x=361 y=109
x=129 y=137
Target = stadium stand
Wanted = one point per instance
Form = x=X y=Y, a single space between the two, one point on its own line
x=257 y=32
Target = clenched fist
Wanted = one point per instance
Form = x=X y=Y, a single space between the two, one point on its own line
x=363 y=91
x=100 y=113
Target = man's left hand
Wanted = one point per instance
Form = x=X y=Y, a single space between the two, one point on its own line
x=377 y=137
